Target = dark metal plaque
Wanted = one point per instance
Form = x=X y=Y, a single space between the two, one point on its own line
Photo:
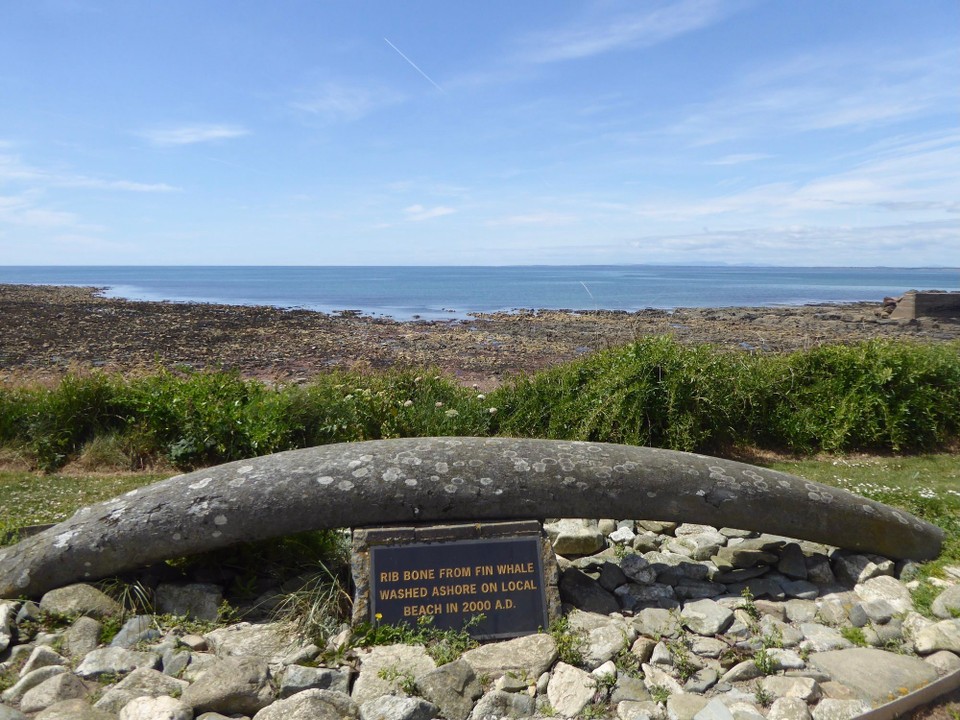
x=453 y=582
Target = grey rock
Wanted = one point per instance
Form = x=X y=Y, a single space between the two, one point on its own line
x=395 y=662
x=657 y=622
x=162 y=707
x=8 y=611
x=945 y=606
x=693 y=529
x=820 y=638
x=604 y=636
x=646 y=541
x=611 y=576
x=738 y=576
x=142 y=682
x=745 y=670
x=803 y=688
x=312 y=705
x=582 y=591
x=854 y=568
x=716 y=709
x=638 y=569
x=789 y=708
x=79 y=599
x=8 y=713
x=231 y=686
x=629 y=688
x=706 y=617
x=634 y=597
x=642 y=648
x=396 y=707
x=41 y=657
x=888 y=589
x=65 y=686
x=137 y=629
x=800 y=589
x=707 y=647
x=792 y=562
x=944 y=661
x=878 y=611
x=835 y=609
x=684 y=706
x=697 y=589
x=831 y=709
x=499 y=704
x=78 y=709
x=220 y=506
x=453 y=688
x=272 y=642
x=199 y=663
x=654 y=678
x=873 y=673
x=819 y=570
x=175 y=661
x=783 y=633
x=702 y=546
x=638 y=710
x=16 y=691
x=622 y=536
x=575 y=536
x=82 y=637
x=528 y=656
x=944 y=635
x=672 y=568
x=570 y=689
x=115 y=661
x=738 y=556
x=783 y=659
x=759 y=587
x=200 y=601
x=701 y=681
x=297 y=678
x=800 y=611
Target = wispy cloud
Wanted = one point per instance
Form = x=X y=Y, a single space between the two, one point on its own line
x=544 y=219
x=192 y=134
x=739 y=159
x=332 y=101
x=833 y=89
x=14 y=170
x=417 y=213
x=646 y=27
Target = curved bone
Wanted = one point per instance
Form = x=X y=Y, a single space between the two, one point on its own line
x=446 y=479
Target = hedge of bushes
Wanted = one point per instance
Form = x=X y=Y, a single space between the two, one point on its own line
x=878 y=395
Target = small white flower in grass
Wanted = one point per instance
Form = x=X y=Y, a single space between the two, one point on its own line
x=481 y=396
x=492 y=411
x=451 y=413
x=417 y=379
x=348 y=397
x=408 y=403
x=438 y=404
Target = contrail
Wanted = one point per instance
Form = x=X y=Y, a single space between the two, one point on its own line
x=413 y=64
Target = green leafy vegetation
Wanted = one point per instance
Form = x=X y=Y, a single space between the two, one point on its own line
x=444 y=646
x=871 y=396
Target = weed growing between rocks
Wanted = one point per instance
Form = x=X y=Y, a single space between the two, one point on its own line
x=570 y=643
x=444 y=646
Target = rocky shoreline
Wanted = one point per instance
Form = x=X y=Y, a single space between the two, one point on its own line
x=686 y=622
x=48 y=331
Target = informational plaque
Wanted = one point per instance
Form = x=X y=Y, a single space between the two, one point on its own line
x=454 y=582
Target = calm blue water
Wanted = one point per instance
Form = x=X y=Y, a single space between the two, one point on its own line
x=452 y=292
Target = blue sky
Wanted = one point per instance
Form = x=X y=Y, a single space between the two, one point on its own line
x=339 y=133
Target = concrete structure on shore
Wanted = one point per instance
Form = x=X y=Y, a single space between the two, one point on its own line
x=914 y=304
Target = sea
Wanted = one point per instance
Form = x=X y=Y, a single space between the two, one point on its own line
x=435 y=293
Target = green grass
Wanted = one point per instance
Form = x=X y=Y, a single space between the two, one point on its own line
x=927 y=486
